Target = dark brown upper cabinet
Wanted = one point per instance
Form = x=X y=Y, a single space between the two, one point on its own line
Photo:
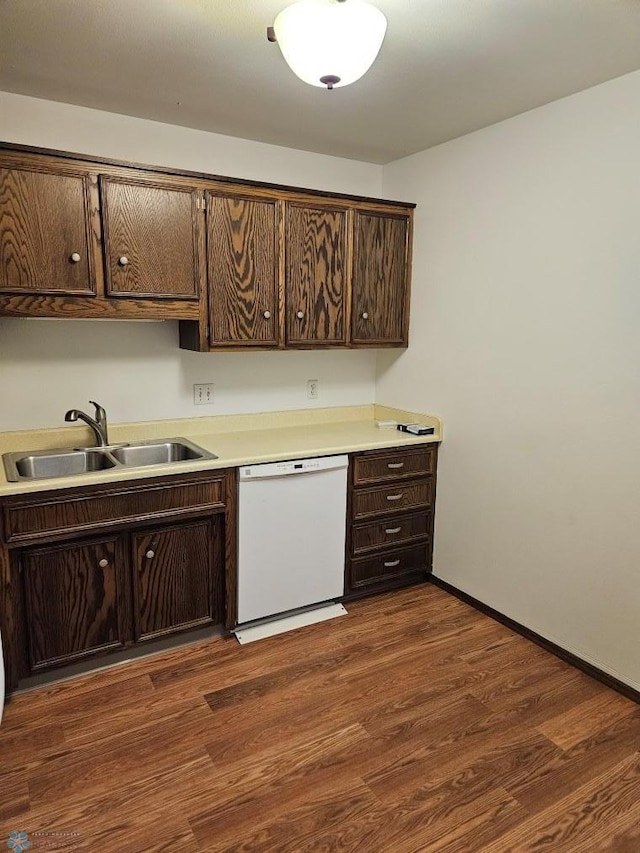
x=380 y=308
x=150 y=239
x=316 y=244
x=243 y=263
x=44 y=240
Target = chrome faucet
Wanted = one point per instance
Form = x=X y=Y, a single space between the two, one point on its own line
x=97 y=424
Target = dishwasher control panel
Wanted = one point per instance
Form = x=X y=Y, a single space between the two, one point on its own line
x=293 y=466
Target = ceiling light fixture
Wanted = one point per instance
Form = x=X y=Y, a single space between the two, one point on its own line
x=329 y=42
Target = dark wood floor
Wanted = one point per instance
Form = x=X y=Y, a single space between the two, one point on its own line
x=412 y=724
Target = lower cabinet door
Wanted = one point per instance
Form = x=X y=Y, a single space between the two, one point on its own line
x=176 y=579
x=75 y=600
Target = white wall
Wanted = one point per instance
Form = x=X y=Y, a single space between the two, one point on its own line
x=136 y=369
x=138 y=373
x=525 y=338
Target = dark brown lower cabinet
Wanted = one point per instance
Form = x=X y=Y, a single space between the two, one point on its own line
x=174 y=581
x=82 y=598
x=76 y=601
x=390 y=505
x=91 y=570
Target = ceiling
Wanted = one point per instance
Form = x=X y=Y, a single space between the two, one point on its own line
x=447 y=67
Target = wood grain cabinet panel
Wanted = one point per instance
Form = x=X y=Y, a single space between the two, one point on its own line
x=44 y=240
x=388 y=533
x=392 y=498
x=380 y=312
x=150 y=239
x=390 y=568
x=75 y=601
x=243 y=253
x=34 y=516
x=316 y=274
x=397 y=465
x=174 y=579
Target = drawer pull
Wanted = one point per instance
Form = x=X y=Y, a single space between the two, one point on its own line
x=391 y=563
x=395 y=464
x=393 y=530
x=395 y=497
x=103 y=563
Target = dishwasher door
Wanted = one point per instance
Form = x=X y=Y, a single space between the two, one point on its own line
x=291 y=545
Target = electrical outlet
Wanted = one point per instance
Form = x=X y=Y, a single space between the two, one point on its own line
x=313 y=389
x=203 y=394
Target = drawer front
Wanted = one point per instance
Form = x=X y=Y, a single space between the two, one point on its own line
x=392 y=498
x=403 y=530
x=66 y=513
x=388 y=567
x=394 y=464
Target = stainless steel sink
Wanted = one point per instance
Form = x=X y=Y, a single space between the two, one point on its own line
x=160 y=452
x=64 y=463
x=45 y=464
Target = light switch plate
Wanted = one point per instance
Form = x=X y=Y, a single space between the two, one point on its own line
x=203 y=394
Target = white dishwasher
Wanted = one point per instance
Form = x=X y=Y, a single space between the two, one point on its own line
x=291 y=544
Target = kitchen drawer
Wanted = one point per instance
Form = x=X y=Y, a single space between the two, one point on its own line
x=392 y=498
x=389 y=532
x=70 y=510
x=389 y=567
x=394 y=465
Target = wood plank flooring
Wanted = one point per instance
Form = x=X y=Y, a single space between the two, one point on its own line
x=414 y=723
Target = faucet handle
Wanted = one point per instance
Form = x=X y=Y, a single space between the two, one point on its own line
x=101 y=415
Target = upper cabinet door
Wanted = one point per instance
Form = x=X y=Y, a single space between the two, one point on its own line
x=151 y=239
x=316 y=274
x=381 y=279
x=243 y=270
x=44 y=233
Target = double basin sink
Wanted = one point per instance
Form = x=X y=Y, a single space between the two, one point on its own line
x=44 y=464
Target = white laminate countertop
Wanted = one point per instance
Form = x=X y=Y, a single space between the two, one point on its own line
x=235 y=439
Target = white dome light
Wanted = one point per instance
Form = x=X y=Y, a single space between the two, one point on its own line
x=330 y=42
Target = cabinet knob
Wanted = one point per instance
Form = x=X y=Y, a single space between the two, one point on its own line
x=103 y=563
x=365 y=315
x=123 y=261
x=74 y=258
x=150 y=554
x=267 y=315
x=299 y=314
